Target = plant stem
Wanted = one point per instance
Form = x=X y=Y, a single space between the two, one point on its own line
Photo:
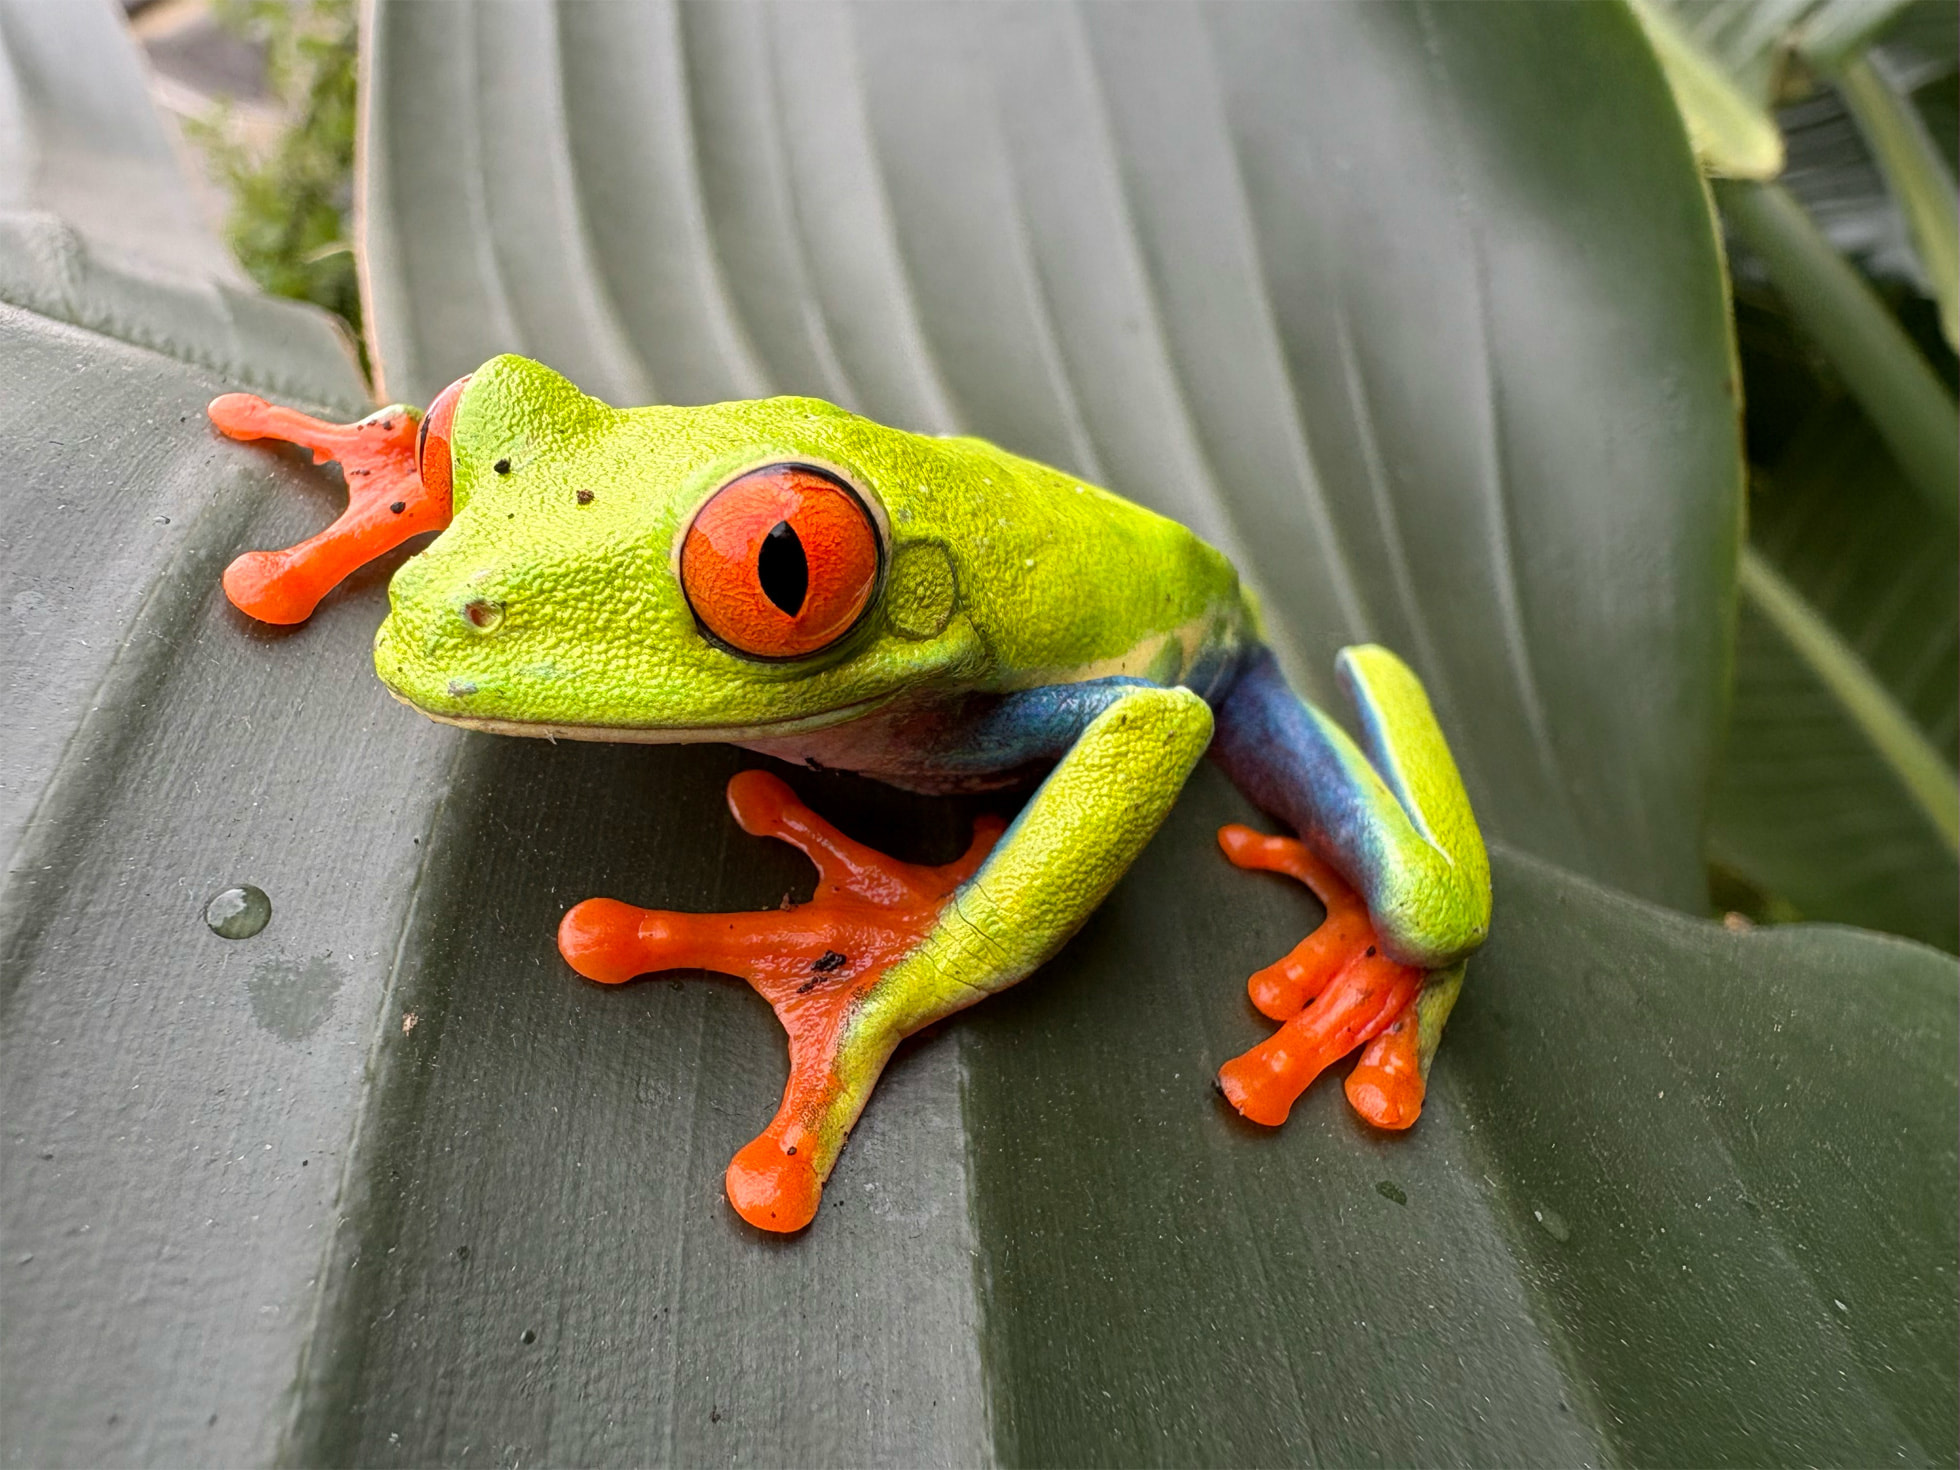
x=1920 y=769
x=1912 y=166
x=1906 y=402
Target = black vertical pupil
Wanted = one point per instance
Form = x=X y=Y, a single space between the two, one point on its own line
x=783 y=569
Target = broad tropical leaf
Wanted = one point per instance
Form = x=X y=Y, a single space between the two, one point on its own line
x=1440 y=352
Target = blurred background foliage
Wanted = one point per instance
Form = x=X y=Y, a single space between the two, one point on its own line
x=265 y=91
x=1828 y=127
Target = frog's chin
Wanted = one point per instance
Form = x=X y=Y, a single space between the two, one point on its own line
x=656 y=735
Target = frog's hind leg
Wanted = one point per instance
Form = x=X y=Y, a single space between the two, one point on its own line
x=1391 y=848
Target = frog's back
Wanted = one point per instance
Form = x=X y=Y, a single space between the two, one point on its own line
x=1066 y=581
x=1061 y=581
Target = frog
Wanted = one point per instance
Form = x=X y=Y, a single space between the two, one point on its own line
x=933 y=612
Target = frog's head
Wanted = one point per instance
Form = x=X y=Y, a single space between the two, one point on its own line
x=723 y=572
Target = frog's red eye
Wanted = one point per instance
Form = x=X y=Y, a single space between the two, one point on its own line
x=781 y=561
x=432 y=461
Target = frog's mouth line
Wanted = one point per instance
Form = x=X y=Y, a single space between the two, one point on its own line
x=667 y=735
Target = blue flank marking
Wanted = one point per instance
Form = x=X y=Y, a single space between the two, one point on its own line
x=1030 y=726
x=1274 y=747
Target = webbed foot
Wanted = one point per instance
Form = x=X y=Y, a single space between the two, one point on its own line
x=1335 y=991
x=389 y=498
x=819 y=964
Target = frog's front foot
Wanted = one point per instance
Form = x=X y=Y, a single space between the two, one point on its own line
x=1336 y=991
x=396 y=463
x=821 y=965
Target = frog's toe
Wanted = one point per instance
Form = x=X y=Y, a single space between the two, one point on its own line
x=1364 y=998
x=600 y=938
x=1386 y=1086
x=773 y=1185
x=1336 y=991
x=1283 y=989
x=389 y=499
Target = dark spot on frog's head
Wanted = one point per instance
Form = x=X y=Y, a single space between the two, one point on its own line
x=398 y=506
x=502 y=466
x=585 y=497
x=527 y=1337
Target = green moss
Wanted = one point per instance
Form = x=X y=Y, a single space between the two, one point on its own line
x=291 y=210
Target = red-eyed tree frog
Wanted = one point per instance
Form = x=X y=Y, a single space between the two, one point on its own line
x=934 y=612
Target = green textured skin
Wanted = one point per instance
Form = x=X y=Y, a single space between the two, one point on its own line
x=1050 y=579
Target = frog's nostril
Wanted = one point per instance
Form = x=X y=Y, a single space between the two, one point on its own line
x=483 y=616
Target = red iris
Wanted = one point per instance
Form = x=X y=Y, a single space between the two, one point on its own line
x=780 y=562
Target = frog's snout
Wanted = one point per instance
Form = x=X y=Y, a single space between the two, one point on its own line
x=435 y=648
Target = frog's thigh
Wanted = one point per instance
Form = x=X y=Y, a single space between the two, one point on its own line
x=1077 y=835
x=1399 y=827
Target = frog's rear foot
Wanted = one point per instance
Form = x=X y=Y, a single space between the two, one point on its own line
x=822 y=966
x=1335 y=991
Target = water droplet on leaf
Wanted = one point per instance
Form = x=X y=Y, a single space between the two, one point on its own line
x=238 y=913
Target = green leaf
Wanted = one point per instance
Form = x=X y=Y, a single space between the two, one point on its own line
x=1750 y=42
x=1837 y=788
x=1643 y=1251
x=1726 y=62
x=1627 y=1216
x=1927 y=779
x=1437 y=344
x=1733 y=133
x=1919 y=179
x=1834 y=33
